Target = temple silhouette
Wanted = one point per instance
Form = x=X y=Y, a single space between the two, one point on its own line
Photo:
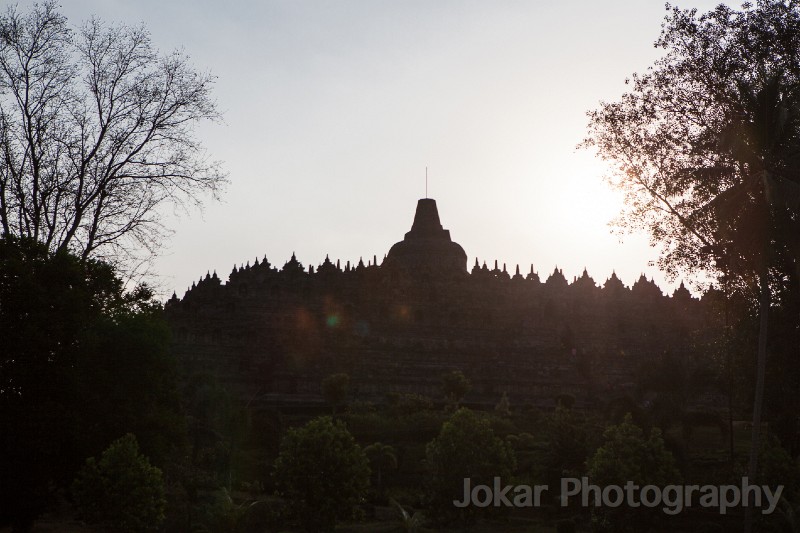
x=396 y=327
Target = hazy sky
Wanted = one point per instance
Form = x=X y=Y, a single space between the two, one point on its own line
x=333 y=109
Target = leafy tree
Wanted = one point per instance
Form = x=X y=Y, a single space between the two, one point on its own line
x=706 y=147
x=455 y=385
x=121 y=489
x=714 y=120
x=466 y=447
x=82 y=363
x=381 y=457
x=336 y=389
x=627 y=455
x=408 y=403
x=96 y=132
x=126 y=377
x=322 y=473
x=211 y=419
x=44 y=302
x=571 y=438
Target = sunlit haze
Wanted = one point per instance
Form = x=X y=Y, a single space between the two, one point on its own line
x=333 y=110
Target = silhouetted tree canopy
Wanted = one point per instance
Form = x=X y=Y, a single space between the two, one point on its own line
x=121 y=489
x=322 y=473
x=96 y=133
x=706 y=145
x=455 y=385
x=82 y=363
x=628 y=455
x=381 y=457
x=466 y=447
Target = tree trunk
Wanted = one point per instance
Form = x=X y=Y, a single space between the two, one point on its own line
x=729 y=354
x=761 y=368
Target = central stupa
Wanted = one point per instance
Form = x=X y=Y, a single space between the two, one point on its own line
x=427 y=248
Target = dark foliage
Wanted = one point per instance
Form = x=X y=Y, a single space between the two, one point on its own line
x=322 y=473
x=83 y=363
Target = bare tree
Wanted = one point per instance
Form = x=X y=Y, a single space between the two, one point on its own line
x=96 y=133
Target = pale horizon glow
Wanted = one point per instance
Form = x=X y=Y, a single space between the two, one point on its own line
x=333 y=110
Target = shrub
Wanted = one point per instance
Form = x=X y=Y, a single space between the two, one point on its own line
x=322 y=473
x=122 y=489
x=465 y=448
x=626 y=456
